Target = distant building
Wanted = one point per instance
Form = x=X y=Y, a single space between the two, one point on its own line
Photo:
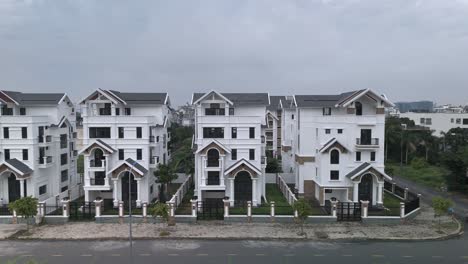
x=186 y=115
x=417 y=107
x=439 y=122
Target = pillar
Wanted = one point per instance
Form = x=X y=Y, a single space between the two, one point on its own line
x=194 y=207
x=114 y=194
x=365 y=208
x=138 y=200
x=121 y=208
x=231 y=191
x=249 y=211
x=254 y=192
x=356 y=192
x=42 y=208
x=380 y=193
x=406 y=193
x=226 y=206
x=221 y=173
x=402 y=210
x=66 y=207
x=272 y=210
x=98 y=204
x=171 y=209
x=21 y=188
x=144 y=210
x=334 y=207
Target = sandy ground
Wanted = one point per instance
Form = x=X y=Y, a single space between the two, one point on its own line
x=423 y=227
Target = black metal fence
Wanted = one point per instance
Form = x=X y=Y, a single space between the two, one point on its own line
x=53 y=210
x=5 y=211
x=399 y=191
x=412 y=205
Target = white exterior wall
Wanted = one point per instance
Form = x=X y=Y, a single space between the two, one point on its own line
x=288 y=138
x=441 y=122
x=50 y=174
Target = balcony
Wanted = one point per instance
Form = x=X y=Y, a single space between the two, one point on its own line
x=96 y=164
x=212 y=181
x=44 y=139
x=215 y=112
x=45 y=162
x=367 y=143
x=97 y=182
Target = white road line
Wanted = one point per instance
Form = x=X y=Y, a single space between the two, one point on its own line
x=86 y=255
x=319 y=255
x=145 y=255
x=173 y=255
x=347 y=255
x=57 y=255
x=260 y=255
x=202 y=254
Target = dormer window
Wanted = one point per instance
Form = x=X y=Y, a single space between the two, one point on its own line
x=214 y=109
x=7 y=110
x=358 y=109
x=106 y=110
x=327 y=111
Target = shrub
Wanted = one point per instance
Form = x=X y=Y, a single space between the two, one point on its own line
x=418 y=163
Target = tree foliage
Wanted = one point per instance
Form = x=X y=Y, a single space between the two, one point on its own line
x=273 y=166
x=303 y=209
x=165 y=175
x=441 y=206
x=26 y=207
x=160 y=210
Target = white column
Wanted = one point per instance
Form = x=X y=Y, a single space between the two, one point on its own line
x=254 y=192
x=379 y=193
x=221 y=173
x=138 y=201
x=21 y=188
x=113 y=109
x=231 y=191
x=203 y=181
x=356 y=192
x=114 y=193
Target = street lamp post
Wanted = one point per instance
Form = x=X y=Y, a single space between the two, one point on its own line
x=130 y=211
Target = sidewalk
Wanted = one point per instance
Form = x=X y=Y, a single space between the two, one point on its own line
x=423 y=227
x=8 y=230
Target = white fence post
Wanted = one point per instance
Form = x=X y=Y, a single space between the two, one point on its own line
x=226 y=206
x=249 y=210
x=334 y=203
x=402 y=210
x=194 y=207
x=121 y=209
x=144 y=209
x=66 y=207
x=98 y=205
x=365 y=207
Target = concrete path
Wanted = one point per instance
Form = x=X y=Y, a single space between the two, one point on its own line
x=7 y=230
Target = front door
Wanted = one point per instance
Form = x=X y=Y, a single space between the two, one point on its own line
x=14 y=190
x=366 y=136
x=126 y=193
x=243 y=187
x=365 y=188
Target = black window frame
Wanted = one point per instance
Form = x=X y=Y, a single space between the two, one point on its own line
x=121 y=132
x=358 y=156
x=139 y=132
x=100 y=132
x=6 y=132
x=327 y=131
x=251 y=132
x=139 y=154
x=24 y=132
x=117 y=111
x=251 y=154
x=358 y=107
x=64 y=175
x=128 y=111
x=334 y=158
x=25 y=154
x=63 y=141
x=213 y=132
x=121 y=154
x=233 y=132
x=43 y=189
x=340 y=131
x=231 y=111
x=6 y=154
x=334 y=175
x=233 y=154
x=373 y=156
x=63 y=159
x=464 y=121
x=22 y=111
x=326 y=111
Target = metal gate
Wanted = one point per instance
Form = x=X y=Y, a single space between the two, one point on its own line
x=349 y=212
x=211 y=209
x=82 y=211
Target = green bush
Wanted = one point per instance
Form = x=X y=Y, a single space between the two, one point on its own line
x=418 y=163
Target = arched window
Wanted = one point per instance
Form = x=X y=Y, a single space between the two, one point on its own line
x=98 y=157
x=358 y=108
x=213 y=158
x=335 y=157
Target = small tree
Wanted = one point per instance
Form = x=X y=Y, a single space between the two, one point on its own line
x=441 y=206
x=160 y=210
x=165 y=175
x=303 y=211
x=273 y=166
x=26 y=207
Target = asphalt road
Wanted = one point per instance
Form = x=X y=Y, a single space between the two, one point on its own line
x=231 y=252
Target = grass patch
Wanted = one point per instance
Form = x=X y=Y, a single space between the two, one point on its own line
x=431 y=176
x=391 y=206
x=272 y=194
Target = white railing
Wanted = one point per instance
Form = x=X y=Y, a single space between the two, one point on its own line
x=181 y=192
x=284 y=188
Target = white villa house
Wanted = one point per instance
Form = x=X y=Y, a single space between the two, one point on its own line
x=338 y=145
x=125 y=139
x=229 y=144
x=37 y=145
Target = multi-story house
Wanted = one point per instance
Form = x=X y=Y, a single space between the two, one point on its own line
x=37 y=151
x=125 y=139
x=230 y=146
x=288 y=133
x=339 y=146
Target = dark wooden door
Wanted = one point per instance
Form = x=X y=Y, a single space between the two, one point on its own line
x=365 y=188
x=14 y=189
x=243 y=187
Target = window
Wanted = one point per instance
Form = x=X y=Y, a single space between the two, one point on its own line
x=106 y=110
x=6 y=132
x=121 y=154
x=6 y=110
x=372 y=156
x=452 y=120
x=366 y=137
x=63 y=141
x=138 y=132
x=128 y=111
x=22 y=111
x=157 y=138
x=64 y=176
x=428 y=121
x=213 y=132
x=139 y=154
x=334 y=157
x=358 y=156
x=42 y=189
x=326 y=111
x=252 y=132
x=233 y=154
x=233 y=132
x=212 y=158
x=7 y=154
x=231 y=111
x=465 y=121
x=327 y=131
x=25 y=154
x=151 y=189
x=64 y=188
x=117 y=111
x=334 y=175
x=458 y=121
x=63 y=159
x=121 y=132
x=358 y=109
x=292 y=116
x=24 y=132
x=215 y=109
x=422 y=121
x=251 y=154
x=340 y=131
x=99 y=132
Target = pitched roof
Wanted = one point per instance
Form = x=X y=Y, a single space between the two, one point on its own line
x=321 y=100
x=141 y=98
x=34 y=98
x=18 y=166
x=239 y=163
x=362 y=169
x=102 y=144
x=275 y=102
x=136 y=165
x=240 y=98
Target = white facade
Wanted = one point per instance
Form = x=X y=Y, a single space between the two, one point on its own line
x=439 y=122
x=37 y=145
x=338 y=126
x=123 y=133
x=230 y=146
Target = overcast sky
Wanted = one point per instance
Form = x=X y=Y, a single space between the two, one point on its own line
x=406 y=49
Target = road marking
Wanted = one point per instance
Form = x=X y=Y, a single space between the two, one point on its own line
x=378 y=256
x=202 y=254
x=173 y=255
x=260 y=255
x=319 y=255
x=232 y=254
x=347 y=255
x=407 y=256
x=145 y=255
x=57 y=255
x=115 y=255
x=86 y=255
x=289 y=255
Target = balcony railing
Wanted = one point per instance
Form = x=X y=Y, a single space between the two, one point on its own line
x=97 y=182
x=367 y=142
x=45 y=139
x=153 y=160
x=45 y=160
x=212 y=163
x=96 y=163
x=215 y=111
x=213 y=181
